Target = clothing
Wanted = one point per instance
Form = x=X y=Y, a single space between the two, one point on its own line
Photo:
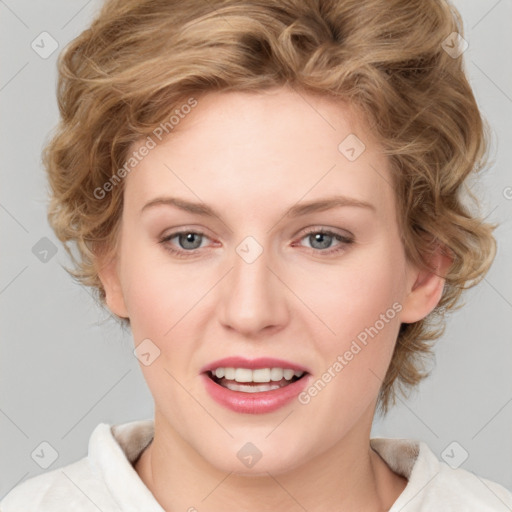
x=106 y=480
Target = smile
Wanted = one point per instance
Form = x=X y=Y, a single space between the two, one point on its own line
x=254 y=397
x=246 y=380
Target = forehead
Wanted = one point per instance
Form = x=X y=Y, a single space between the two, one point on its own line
x=248 y=147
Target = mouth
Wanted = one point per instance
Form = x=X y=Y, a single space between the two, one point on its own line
x=257 y=380
x=254 y=386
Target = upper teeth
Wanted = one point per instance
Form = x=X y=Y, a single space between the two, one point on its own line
x=259 y=375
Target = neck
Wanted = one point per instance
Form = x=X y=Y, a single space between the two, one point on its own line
x=350 y=476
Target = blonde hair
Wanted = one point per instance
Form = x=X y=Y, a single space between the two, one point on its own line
x=141 y=60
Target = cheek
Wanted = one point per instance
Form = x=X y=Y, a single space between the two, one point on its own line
x=162 y=300
x=368 y=322
x=157 y=293
x=150 y=303
x=353 y=296
x=158 y=300
x=360 y=302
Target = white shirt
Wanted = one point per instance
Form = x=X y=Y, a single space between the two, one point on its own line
x=106 y=481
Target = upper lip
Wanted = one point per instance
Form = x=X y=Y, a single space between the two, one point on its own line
x=253 y=364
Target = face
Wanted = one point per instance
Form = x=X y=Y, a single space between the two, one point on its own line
x=267 y=275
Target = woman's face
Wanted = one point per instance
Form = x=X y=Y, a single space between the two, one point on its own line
x=251 y=281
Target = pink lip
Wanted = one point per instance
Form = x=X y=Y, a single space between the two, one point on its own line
x=254 y=403
x=253 y=364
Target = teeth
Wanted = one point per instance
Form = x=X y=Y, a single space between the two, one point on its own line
x=243 y=375
x=288 y=374
x=258 y=375
x=261 y=375
x=276 y=374
x=251 y=389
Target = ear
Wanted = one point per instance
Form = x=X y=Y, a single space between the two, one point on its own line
x=426 y=288
x=108 y=272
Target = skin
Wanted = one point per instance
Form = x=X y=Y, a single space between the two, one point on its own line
x=251 y=156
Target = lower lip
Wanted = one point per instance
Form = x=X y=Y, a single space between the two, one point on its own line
x=254 y=403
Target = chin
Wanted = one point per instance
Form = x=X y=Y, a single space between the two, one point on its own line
x=256 y=458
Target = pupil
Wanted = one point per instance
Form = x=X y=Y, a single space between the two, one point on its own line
x=322 y=237
x=189 y=237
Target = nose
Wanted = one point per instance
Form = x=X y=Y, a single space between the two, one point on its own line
x=254 y=297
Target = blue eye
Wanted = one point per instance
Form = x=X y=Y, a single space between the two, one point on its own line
x=324 y=239
x=188 y=240
x=321 y=241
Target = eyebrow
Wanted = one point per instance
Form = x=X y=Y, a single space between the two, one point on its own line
x=297 y=210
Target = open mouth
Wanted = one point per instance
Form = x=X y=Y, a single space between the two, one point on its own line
x=254 y=384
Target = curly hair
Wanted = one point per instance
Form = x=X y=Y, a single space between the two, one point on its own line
x=140 y=61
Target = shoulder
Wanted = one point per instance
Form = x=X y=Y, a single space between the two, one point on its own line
x=460 y=489
x=104 y=480
x=437 y=485
x=77 y=486
x=70 y=487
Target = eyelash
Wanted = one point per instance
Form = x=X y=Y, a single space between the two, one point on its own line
x=345 y=241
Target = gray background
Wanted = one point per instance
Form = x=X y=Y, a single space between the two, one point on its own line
x=66 y=366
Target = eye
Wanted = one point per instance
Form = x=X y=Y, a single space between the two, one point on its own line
x=188 y=242
x=322 y=239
